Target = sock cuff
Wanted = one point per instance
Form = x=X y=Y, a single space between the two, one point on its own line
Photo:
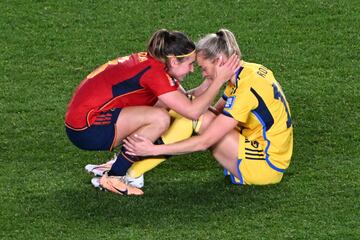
x=197 y=124
x=130 y=158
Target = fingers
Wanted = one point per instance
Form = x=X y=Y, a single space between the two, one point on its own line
x=230 y=63
x=228 y=69
x=130 y=153
x=140 y=138
x=233 y=62
x=135 y=138
x=130 y=144
x=129 y=147
x=137 y=145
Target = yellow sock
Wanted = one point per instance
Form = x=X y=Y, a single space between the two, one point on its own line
x=180 y=129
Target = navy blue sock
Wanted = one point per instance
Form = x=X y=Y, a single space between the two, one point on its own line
x=123 y=163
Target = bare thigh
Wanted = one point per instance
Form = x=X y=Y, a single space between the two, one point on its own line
x=226 y=150
x=149 y=122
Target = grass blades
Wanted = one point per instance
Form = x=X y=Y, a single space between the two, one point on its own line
x=48 y=47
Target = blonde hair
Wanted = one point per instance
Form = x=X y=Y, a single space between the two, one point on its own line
x=222 y=42
x=164 y=43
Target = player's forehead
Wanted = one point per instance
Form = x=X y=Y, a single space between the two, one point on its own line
x=202 y=62
x=190 y=59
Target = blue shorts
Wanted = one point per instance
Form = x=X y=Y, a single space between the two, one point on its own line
x=96 y=137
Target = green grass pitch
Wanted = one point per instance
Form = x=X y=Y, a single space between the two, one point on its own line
x=48 y=47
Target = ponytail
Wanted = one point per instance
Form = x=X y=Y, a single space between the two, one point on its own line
x=222 y=42
x=164 y=44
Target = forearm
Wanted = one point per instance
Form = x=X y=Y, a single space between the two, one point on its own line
x=193 y=144
x=219 y=106
x=201 y=103
x=141 y=146
x=160 y=104
x=200 y=89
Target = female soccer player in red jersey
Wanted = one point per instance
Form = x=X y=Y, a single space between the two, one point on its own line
x=116 y=100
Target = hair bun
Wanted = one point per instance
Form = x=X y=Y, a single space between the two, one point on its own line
x=220 y=33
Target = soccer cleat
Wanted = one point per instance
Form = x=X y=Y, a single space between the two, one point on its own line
x=95 y=181
x=118 y=185
x=134 y=182
x=99 y=170
x=226 y=172
x=234 y=180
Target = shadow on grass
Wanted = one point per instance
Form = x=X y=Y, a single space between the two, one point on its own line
x=167 y=202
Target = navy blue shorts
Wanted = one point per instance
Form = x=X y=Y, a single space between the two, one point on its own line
x=96 y=137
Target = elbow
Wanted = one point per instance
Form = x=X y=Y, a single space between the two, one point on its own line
x=193 y=112
x=194 y=115
x=189 y=113
x=202 y=146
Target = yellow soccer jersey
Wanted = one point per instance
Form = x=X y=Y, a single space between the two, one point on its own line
x=258 y=103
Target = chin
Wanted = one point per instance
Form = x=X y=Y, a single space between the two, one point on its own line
x=180 y=78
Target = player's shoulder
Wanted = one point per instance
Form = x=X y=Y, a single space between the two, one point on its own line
x=140 y=57
x=144 y=62
x=133 y=59
x=155 y=67
x=254 y=70
x=250 y=68
x=146 y=58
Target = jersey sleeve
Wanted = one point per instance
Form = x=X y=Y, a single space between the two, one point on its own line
x=239 y=104
x=159 y=82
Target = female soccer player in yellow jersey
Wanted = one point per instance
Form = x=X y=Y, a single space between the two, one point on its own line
x=252 y=138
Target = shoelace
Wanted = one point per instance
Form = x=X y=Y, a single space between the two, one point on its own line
x=121 y=178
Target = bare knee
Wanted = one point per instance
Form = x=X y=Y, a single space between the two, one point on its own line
x=205 y=121
x=161 y=119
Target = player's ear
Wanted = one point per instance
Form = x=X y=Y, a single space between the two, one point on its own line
x=220 y=60
x=172 y=61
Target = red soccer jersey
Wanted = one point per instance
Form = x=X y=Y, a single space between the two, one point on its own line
x=135 y=80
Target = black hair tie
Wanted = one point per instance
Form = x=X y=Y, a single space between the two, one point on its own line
x=220 y=34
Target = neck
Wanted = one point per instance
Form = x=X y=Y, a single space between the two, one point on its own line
x=234 y=77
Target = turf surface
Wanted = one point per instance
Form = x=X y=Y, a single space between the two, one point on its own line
x=48 y=47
